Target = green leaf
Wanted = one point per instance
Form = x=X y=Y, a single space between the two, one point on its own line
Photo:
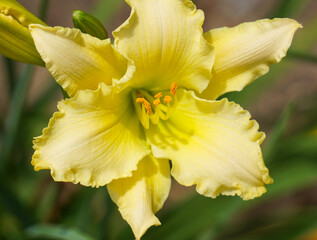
x=104 y=10
x=14 y=115
x=303 y=145
x=199 y=213
x=65 y=95
x=277 y=132
x=10 y=67
x=44 y=99
x=47 y=200
x=284 y=222
x=21 y=88
x=56 y=232
x=289 y=8
x=194 y=216
x=43 y=9
x=290 y=175
x=303 y=56
x=9 y=200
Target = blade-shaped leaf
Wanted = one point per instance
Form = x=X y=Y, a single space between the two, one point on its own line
x=55 y=232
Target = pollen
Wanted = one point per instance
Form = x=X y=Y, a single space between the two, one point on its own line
x=146 y=104
x=173 y=88
x=140 y=100
x=167 y=99
x=157 y=102
x=158 y=95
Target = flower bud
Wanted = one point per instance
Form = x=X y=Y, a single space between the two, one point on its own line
x=89 y=24
x=15 y=39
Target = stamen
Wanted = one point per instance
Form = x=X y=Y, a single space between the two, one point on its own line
x=146 y=104
x=167 y=99
x=153 y=108
x=165 y=113
x=158 y=95
x=173 y=88
x=157 y=101
x=156 y=116
x=140 y=100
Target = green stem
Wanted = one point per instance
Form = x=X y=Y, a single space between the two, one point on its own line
x=10 y=74
x=302 y=56
x=14 y=115
x=43 y=9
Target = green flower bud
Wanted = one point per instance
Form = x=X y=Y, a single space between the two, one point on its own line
x=89 y=24
x=15 y=39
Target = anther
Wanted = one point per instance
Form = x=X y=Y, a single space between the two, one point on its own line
x=157 y=101
x=140 y=100
x=158 y=95
x=147 y=105
x=173 y=88
x=167 y=99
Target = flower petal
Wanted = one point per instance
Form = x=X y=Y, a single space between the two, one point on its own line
x=139 y=197
x=244 y=52
x=78 y=61
x=94 y=138
x=164 y=39
x=212 y=144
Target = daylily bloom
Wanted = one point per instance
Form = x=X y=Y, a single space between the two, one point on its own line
x=151 y=98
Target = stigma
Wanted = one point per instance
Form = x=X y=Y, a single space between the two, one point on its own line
x=150 y=108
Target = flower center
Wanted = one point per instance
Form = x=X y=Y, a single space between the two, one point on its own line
x=149 y=107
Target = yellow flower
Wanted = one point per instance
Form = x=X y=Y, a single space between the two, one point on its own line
x=15 y=38
x=151 y=98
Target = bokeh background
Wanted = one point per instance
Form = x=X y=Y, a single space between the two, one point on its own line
x=284 y=102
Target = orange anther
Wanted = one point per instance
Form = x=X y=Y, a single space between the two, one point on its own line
x=167 y=99
x=173 y=88
x=158 y=95
x=147 y=106
x=140 y=100
x=157 y=102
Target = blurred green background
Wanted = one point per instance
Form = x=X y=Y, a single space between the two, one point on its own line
x=284 y=102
